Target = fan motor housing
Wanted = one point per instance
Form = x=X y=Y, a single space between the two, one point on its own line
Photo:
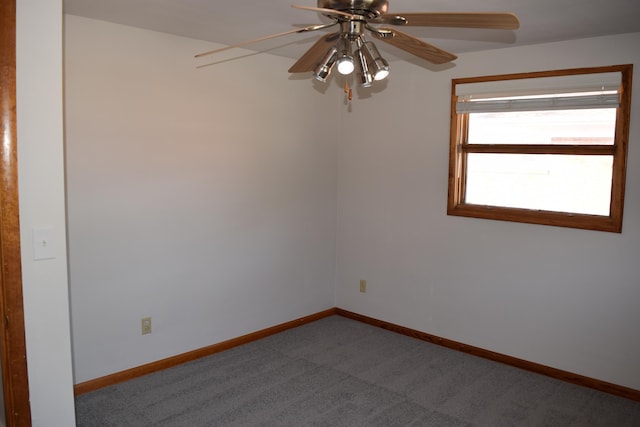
x=368 y=8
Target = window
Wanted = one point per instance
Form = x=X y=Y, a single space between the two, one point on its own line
x=543 y=148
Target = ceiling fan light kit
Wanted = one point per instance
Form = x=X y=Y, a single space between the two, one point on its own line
x=352 y=47
x=380 y=65
x=365 y=76
x=348 y=50
x=323 y=69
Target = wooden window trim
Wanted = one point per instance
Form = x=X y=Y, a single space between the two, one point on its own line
x=459 y=148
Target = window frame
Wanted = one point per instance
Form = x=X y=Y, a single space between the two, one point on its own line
x=459 y=147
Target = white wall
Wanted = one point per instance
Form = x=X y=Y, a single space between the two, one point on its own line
x=204 y=198
x=41 y=192
x=560 y=297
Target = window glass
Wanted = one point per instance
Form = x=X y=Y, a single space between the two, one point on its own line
x=596 y=126
x=575 y=184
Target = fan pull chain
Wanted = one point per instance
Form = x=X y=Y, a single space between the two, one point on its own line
x=348 y=91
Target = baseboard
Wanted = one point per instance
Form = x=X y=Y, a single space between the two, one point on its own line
x=569 y=377
x=169 y=362
x=159 y=365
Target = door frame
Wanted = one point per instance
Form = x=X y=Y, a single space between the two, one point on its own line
x=12 y=335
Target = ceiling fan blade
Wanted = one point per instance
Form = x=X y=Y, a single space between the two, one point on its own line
x=415 y=46
x=312 y=57
x=324 y=10
x=272 y=36
x=490 y=20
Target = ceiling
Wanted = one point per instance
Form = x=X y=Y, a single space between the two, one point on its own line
x=232 y=21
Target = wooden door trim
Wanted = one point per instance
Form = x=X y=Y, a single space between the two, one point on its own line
x=12 y=336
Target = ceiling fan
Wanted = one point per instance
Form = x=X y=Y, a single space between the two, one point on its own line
x=348 y=50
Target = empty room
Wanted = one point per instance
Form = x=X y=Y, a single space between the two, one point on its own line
x=473 y=217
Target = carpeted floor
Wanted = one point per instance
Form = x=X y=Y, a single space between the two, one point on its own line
x=340 y=372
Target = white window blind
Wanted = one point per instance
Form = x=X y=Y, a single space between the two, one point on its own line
x=578 y=91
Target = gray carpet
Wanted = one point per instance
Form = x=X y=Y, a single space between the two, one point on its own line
x=340 y=372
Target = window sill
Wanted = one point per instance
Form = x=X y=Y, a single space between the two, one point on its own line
x=529 y=216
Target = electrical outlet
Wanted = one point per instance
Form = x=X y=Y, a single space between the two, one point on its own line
x=146 y=325
x=363 y=286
